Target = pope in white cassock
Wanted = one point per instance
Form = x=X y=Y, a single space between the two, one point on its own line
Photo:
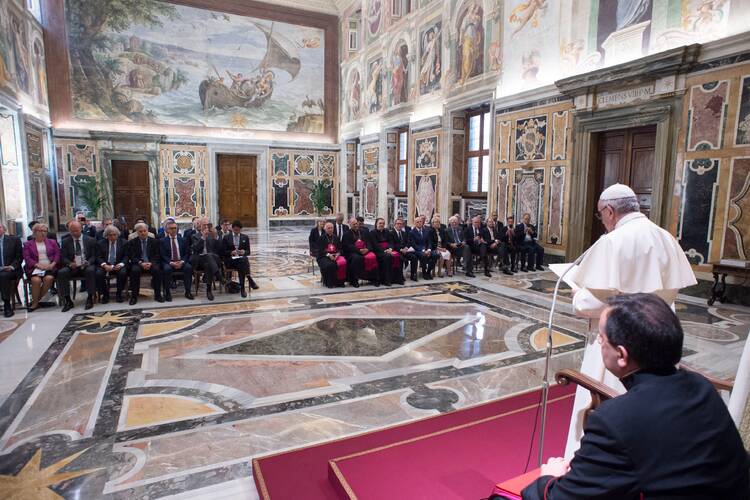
x=635 y=256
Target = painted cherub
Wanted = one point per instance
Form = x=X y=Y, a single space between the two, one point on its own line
x=526 y=12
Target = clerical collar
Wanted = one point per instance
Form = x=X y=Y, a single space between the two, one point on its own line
x=640 y=376
x=629 y=217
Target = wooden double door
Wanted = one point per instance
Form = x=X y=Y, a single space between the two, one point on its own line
x=131 y=190
x=238 y=193
x=626 y=156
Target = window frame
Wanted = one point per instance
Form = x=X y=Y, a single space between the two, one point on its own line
x=404 y=162
x=353 y=38
x=484 y=150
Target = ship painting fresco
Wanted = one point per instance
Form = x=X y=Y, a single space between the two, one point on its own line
x=161 y=63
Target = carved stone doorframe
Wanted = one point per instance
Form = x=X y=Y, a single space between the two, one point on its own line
x=665 y=114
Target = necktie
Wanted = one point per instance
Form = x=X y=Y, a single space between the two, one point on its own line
x=144 y=250
x=111 y=259
x=476 y=233
x=2 y=252
x=205 y=245
x=236 y=241
x=175 y=253
x=78 y=248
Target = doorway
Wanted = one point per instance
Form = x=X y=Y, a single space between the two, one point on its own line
x=627 y=156
x=131 y=190
x=238 y=193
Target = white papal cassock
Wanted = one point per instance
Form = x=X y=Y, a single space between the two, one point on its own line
x=637 y=256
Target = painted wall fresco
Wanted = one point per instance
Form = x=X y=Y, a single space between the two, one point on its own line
x=184 y=185
x=430 y=58
x=469 y=53
x=22 y=61
x=295 y=175
x=156 y=62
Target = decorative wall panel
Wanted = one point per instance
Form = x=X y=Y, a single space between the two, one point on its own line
x=351 y=167
x=706 y=115
x=392 y=160
x=474 y=207
x=531 y=138
x=742 y=134
x=294 y=176
x=425 y=173
x=528 y=196
x=77 y=165
x=559 y=135
x=700 y=183
x=556 y=205
x=737 y=231
x=370 y=181
x=37 y=172
x=457 y=164
x=502 y=188
x=185 y=190
x=503 y=139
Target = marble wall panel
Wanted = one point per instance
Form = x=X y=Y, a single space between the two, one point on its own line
x=502 y=188
x=425 y=197
x=279 y=165
x=280 y=197
x=183 y=174
x=427 y=151
x=706 y=115
x=304 y=164
x=302 y=190
x=528 y=196
x=559 y=135
x=457 y=164
x=370 y=205
x=370 y=181
x=531 y=138
x=503 y=138
x=474 y=207
x=351 y=167
x=37 y=172
x=392 y=170
x=555 y=205
x=700 y=184
x=293 y=175
x=742 y=133
x=424 y=169
x=737 y=231
x=77 y=164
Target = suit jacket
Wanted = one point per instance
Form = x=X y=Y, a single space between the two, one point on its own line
x=398 y=243
x=494 y=232
x=188 y=234
x=344 y=229
x=121 y=255
x=31 y=254
x=88 y=245
x=423 y=241
x=90 y=231
x=227 y=244
x=456 y=238
x=165 y=249
x=312 y=240
x=213 y=245
x=469 y=236
x=669 y=436
x=503 y=234
x=135 y=251
x=12 y=251
x=521 y=234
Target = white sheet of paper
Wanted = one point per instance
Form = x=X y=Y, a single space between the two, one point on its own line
x=559 y=269
x=38 y=272
x=236 y=257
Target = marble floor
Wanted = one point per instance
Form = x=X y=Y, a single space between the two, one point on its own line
x=151 y=401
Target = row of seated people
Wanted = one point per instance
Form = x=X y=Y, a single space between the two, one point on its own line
x=350 y=253
x=80 y=256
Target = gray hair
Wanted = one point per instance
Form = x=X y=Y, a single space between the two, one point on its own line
x=111 y=229
x=622 y=206
x=39 y=226
x=140 y=225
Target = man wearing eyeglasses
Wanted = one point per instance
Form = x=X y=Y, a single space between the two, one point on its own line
x=634 y=256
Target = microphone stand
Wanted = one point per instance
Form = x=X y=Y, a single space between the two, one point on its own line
x=548 y=358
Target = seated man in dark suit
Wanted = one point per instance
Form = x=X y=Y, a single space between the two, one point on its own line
x=455 y=239
x=144 y=256
x=476 y=238
x=669 y=436
x=398 y=241
x=205 y=251
x=526 y=238
x=425 y=248
x=195 y=228
x=11 y=255
x=175 y=256
x=112 y=262
x=79 y=256
x=236 y=248
x=383 y=253
x=508 y=236
x=496 y=245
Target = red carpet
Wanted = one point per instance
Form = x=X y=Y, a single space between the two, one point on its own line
x=491 y=445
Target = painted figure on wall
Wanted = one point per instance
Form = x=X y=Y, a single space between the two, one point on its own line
x=470 y=49
x=355 y=95
x=400 y=74
x=375 y=85
x=527 y=12
x=40 y=72
x=374 y=15
x=19 y=51
x=430 y=68
x=156 y=62
x=5 y=51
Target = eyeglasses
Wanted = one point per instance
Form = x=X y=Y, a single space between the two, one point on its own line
x=598 y=213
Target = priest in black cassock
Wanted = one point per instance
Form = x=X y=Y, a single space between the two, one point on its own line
x=362 y=261
x=330 y=258
x=389 y=262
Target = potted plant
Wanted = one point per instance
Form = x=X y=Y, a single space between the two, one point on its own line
x=319 y=196
x=93 y=195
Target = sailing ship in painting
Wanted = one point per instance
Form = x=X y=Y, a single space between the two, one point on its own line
x=170 y=64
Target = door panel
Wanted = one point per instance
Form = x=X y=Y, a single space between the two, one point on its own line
x=131 y=190
x=238 y=195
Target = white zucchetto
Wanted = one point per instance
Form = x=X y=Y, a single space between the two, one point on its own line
x=617 y=191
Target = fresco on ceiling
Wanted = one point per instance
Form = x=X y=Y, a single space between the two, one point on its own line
x=156 y=62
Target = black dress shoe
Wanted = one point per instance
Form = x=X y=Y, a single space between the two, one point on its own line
x=539 y=268
x=67 y=304
x=189 y=295
x=376 y=283
x=487 y=273
x=507 y=271
x=104 y=300
x=168 y=296
x=133 y=300
x=524 y=270
x=469 y=274
x=426 y=276
x=209 y=294
x=243 y=293
x=89 y=302
x=413 y=277
x=119 y=298
x=355 y=284
x=159 y=299
x=7 y=309
x=253 y=285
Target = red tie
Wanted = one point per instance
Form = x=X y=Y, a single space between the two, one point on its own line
x=174 y=250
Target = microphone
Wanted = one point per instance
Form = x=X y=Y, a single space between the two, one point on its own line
x=548 y=356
